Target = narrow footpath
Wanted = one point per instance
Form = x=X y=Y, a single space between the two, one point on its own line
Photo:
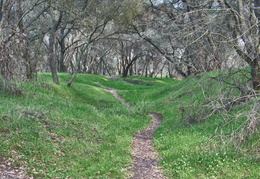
x=145 y=158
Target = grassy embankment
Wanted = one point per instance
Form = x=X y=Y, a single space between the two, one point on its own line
x=84 y=132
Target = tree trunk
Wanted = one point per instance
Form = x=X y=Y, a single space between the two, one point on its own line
x=257 y=10
x=52 y=61
x=256 y=70
x=30 y=67
x=91 y=65
x=129 y=65
x=1 y=9
x=72 y=79
x=255 y=74
x=170 y=69
x=62 y=67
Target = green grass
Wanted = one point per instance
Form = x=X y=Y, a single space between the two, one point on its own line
x=84 y=132
x=77 y=132
x=182 y=146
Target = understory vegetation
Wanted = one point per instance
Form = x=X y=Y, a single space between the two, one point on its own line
x=210 y=128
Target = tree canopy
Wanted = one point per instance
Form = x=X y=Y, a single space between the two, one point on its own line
x=177 y=38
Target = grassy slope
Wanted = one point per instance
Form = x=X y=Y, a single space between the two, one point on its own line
x=182 y=147
x=80 y=132
x=83 y=132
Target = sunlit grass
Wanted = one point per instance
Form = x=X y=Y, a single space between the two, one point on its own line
x=77 y=132
x=183 y=148
x=84 y=132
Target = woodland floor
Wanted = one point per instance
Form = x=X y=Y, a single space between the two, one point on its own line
x=144 y=156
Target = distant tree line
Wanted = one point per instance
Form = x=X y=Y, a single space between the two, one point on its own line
x=174 y=38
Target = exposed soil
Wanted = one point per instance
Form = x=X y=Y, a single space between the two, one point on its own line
x=138 y=82
x=144 y=156
x=9 y=172
x=113 y=78
x=113 y=91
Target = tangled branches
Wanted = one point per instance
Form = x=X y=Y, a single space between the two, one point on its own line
x=229 y=100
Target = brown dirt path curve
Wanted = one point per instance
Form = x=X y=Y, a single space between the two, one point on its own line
x=114 y=93
x=145 y=158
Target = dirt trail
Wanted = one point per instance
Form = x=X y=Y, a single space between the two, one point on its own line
x=113 y=91
x=145 y=158
x=9 y=172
